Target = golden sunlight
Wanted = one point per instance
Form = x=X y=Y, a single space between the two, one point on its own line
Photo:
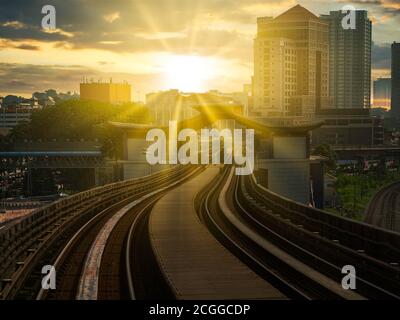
x=188 y=73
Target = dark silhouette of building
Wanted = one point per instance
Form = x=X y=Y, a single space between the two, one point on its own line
x=395 y=107
x=348 y=127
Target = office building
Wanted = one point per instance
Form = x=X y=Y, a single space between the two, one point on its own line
x=290 y=65
x=348 y=127
x=15 y=110
x=106 y=92
x=175 y=105
x=382 y=93
x=395 y=107
x=349 y=60
x=12 y=115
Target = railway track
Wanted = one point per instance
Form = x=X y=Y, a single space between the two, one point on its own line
x=318 y=243
x=206 y=204
x=115 y=279
x=295 y=283
x=129 y=265
x=383 y=209
x=36 y=240
x=297 y=249
x=290 y=250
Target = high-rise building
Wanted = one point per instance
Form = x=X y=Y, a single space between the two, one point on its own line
x=106 y=92
x=382 y=93
x=174 y=105
x=395 y=108
x=290 y=64
x=349 y=60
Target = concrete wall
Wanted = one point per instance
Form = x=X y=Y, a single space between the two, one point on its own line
x=290 y=147
x=286 y=170
x=288 y=177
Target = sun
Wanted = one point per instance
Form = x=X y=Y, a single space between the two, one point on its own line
x=188 y=73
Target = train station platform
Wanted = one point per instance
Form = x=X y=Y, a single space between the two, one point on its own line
x=194 y=263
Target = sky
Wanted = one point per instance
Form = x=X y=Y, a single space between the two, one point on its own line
x=191 y=45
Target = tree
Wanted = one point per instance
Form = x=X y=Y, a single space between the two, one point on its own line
x=111 y=140
x=325 y=150
x=76 y=119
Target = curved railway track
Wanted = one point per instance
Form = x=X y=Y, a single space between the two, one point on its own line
x=37 y=239
x=115 y=279
x=278 y=272
x=384 y=208
x=129 y=265
x=318 y=244
x=299 y=250
x=296 y=253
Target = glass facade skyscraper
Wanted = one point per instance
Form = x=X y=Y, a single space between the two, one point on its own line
x=349 y=60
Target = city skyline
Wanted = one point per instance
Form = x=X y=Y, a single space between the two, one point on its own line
x=193 y=48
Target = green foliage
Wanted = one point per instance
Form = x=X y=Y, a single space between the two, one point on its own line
x=5 y=143
x=111 y=138
x=325 y=150
x=76 y=119
x=355 y=191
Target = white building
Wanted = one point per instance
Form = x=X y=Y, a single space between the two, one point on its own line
x=290 y=65
x=11 y=117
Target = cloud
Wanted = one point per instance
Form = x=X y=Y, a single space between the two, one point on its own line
x=111 y=17
x=381 y=56
x=378 y=7
x=59 y=32
x=13 y=24
x=217 y=28
x=7 y=44
x=148 y=25
x=28 y=78
x=104 y=63
x=132 y=25
x=27 y=47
